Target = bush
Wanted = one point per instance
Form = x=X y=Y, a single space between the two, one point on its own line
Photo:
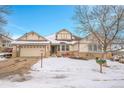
x=101 y=61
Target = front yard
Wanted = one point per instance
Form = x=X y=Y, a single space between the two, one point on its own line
x=69 y=73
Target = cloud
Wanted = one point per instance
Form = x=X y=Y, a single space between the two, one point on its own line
x=18 y=30
x=15 y=36
x=18 y=27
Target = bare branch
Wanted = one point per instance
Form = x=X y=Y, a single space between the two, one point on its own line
x=104 y=22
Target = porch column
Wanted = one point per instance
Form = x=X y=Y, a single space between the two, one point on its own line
x=65 y=47
x=60 y=48
x=45 y=51
x=18 y=50
x=92 y=47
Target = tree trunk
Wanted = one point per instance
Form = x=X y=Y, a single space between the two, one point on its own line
x=100 y=68
x=105 y=55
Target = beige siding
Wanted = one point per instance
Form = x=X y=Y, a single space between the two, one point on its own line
x=23 y=38
x=75 y=47
x=64 y=35
x=14 y=52
x=70 y=47
x=26 y=52
x=33 y=51
x=31 y=36
x=83 y=48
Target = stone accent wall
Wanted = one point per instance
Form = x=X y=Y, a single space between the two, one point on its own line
x=84 y=55
x=90 y=55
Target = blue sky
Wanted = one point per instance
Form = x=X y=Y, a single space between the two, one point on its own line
x=44 y=20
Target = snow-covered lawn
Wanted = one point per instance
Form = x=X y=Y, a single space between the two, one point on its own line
x=69 y=73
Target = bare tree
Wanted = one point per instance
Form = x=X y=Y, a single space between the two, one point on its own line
x=105 y=22
x=4 y=10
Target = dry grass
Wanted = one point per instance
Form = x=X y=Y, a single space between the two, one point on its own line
x=19 y=66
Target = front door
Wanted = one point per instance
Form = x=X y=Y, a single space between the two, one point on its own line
x=53 y=50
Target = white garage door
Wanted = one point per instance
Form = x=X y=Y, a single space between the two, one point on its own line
x=31 y=52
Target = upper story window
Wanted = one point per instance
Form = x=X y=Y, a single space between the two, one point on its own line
x=64 y=35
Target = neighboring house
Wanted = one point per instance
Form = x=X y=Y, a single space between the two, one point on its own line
x=5 y=42
x=59 y=44
x=117 y=47
x=119 y=52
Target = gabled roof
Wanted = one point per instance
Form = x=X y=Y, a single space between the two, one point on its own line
x=3 y=37
x=53 y=40
x=74 y=37
x=63 y=30
x=31 y=33
x=30 y=42
x=87 y=36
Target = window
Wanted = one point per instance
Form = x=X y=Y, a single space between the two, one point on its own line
x=63 y=47
x=99 y=48
x=40 y=46
x=62 y=36
x=90 y=47
x=58 y=47
x=30 y=46
x=67 y=47
x=95 y=47
x=68 y=36
x=59 y=36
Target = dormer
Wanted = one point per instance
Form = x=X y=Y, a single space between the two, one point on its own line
x=64 y=35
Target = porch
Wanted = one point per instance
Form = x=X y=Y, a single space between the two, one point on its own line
x=59 y=50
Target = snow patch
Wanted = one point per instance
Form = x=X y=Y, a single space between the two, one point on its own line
x=72 y=73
